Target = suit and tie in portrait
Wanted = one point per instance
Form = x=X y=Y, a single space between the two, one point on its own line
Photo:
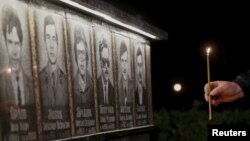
x=105 y=89
x=52 y=79
x=52 y=76
x=104 y=86
x=125 y=92
x=106 y=94
x=140 y=91
x=124 y=85
x=16 y=87
x=141 y=97
x=54 y=92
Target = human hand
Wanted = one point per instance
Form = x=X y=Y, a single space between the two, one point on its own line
x=223 y=91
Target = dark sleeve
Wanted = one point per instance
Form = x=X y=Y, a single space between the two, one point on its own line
x=243 y=81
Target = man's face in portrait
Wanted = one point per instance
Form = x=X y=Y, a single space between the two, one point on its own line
x=51 y=42
x=124 y=65
x=81 y=58
x=14 y=48
x=139 y=68
x=105 y=63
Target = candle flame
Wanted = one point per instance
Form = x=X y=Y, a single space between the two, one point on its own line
x=208 y=50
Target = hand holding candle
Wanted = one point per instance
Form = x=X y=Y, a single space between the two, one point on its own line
x=208 y=79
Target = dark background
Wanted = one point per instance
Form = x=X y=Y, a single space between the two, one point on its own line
x=182 y=58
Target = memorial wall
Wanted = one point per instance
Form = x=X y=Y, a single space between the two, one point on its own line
x=64 y=74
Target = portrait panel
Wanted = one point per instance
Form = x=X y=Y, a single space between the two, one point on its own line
x=124 y=81
x=79 y=31
x=105 y=80
x=18 y=119
x=52 y=74
x=140 y=93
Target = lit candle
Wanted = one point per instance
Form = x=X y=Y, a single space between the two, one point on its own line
x=208 y=79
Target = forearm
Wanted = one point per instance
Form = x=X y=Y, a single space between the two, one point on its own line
x=243 y=81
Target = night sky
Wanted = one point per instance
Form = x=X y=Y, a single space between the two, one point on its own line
x=182 y=58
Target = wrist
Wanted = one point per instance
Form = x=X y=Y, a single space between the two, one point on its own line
x=240 y=92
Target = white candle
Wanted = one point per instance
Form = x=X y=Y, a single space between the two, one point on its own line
x=208 y=79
